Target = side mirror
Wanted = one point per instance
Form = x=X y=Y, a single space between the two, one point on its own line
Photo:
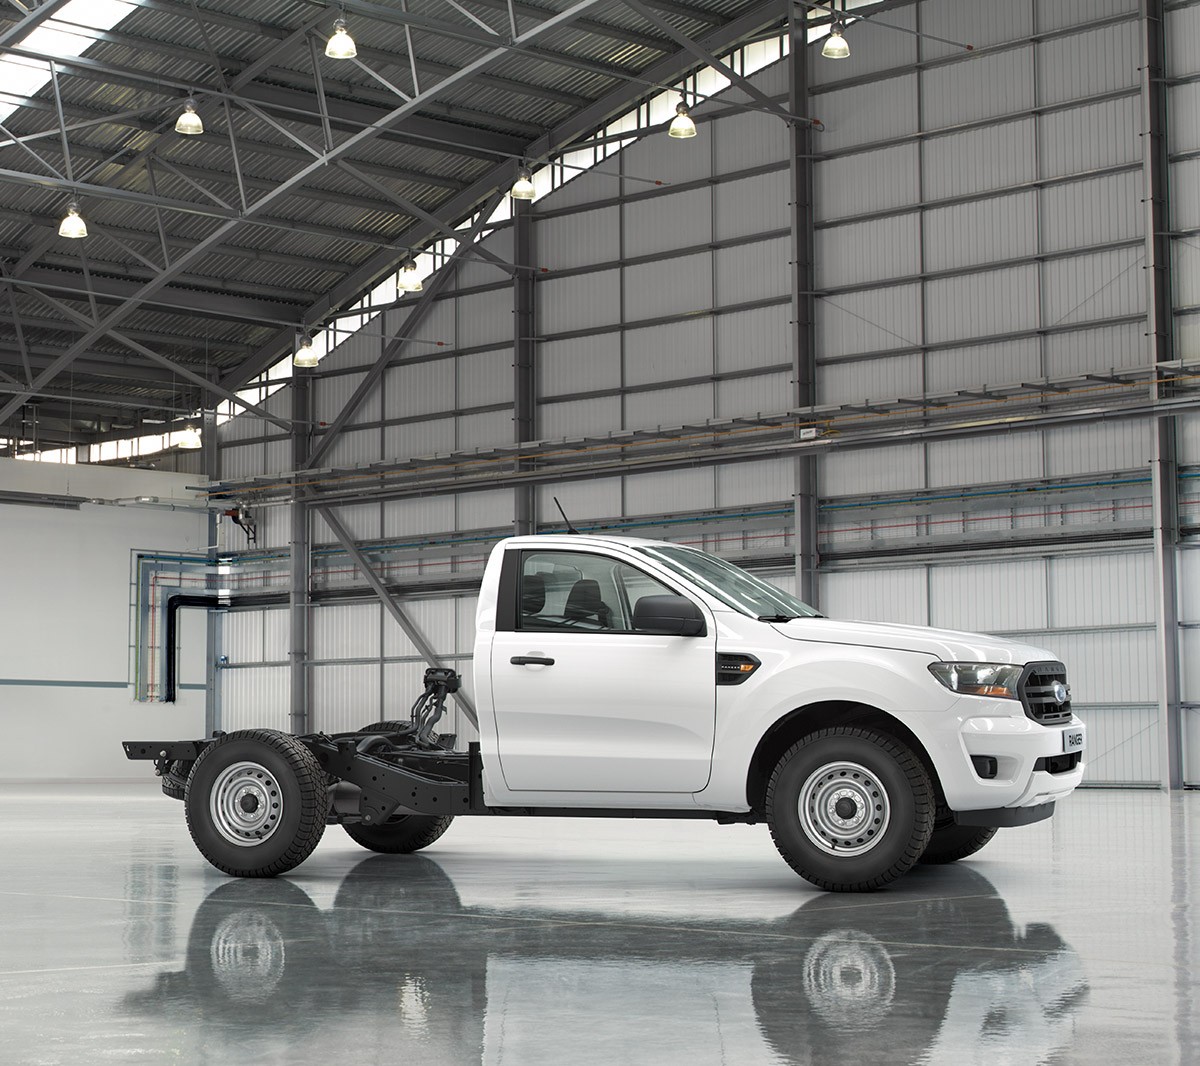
x=668 y=615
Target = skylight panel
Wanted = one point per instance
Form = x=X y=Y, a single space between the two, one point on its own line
x=59 y=37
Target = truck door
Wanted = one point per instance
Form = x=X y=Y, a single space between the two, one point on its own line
x=582 y=701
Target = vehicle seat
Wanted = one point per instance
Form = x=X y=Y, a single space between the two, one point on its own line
x=584 y=603
x=533 y=593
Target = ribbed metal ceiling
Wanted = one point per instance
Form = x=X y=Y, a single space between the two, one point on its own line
x=151 y=196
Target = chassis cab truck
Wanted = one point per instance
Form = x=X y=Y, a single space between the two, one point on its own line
x=618 y=677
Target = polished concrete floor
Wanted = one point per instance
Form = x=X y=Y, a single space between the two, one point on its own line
x=584 y=942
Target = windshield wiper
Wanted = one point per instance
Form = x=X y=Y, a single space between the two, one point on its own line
x=777 y=617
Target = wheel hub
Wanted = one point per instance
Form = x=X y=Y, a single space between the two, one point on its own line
x=844 y=808
x=246 y=803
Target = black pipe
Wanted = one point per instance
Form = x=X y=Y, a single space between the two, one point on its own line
x=211 y=601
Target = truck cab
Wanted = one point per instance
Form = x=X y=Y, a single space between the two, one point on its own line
x=617 y=672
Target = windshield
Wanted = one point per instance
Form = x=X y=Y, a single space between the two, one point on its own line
x=731 y=585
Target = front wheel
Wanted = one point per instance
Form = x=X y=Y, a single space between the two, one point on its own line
x=256 y=802
x=850 y=809
x=401 y=835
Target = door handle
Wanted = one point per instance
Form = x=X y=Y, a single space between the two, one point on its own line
x=531 y=660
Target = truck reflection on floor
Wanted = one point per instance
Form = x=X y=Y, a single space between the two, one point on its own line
x=398 y=968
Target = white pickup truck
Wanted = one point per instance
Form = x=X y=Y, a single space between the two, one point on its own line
x=631 y=678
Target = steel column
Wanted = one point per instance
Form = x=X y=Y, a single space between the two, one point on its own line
x=524 y=380
x=212 y=630
x=804 y=341
x=393 y=608
x=301 y=559
x=1160 y=335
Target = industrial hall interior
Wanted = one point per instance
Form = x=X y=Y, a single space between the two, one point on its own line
x=541 y=532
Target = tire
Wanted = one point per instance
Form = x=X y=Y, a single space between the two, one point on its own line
x=401 y=835
x=952 y=842
x=256 y=802
x=174 y=781
x=387 y=727
x=850 y=809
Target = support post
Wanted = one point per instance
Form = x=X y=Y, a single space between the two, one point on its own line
x=524 y=381
x=800 y=136
x=299 y=603
x=1160 y=337
x=393 y=608
x=212 y=625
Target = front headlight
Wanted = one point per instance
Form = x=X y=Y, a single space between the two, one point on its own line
x=998 y=680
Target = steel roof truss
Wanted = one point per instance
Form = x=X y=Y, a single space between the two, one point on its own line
x=584 y=121
x=477 y=251
x=390 y=121
x=705 y=56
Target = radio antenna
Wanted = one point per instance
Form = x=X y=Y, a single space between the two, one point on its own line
x=570 y=528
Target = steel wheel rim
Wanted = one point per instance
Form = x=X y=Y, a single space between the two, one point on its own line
x=844 y=808
x=246 y=804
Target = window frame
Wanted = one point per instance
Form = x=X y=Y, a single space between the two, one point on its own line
x=508 y=608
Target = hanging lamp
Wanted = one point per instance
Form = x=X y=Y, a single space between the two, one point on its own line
x=189 y=123
x=72 y=225
x=682 y=124
x=341 y=44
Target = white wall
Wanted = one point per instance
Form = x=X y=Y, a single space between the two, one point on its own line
x=65 y=699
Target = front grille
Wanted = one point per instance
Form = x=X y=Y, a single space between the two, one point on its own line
x=1037 y=689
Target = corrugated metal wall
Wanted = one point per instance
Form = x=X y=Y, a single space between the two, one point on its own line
x=980 y=221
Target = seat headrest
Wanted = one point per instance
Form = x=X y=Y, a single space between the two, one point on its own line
x=584 y=599
x=533 y=593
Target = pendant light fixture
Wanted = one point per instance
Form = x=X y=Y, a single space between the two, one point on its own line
x=305 y=356
x=836 y=46
x=189 y=439
x=341 y=44
x=682 y=124
x=408 y=280
x=523 y=187
x=189 y=122
x=72 y=225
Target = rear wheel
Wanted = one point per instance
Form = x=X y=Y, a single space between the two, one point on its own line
x=401 y=835
x=256 y=802
x=951 y=842
x=850 y=809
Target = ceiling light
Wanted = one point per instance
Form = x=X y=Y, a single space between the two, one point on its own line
x=189 y=438
x=836 y=46
x=682 y=124
x=189 y=122
x=72 y=224
x=341 y=44
x=523 y=187
x=408 y=280
x=305 y=356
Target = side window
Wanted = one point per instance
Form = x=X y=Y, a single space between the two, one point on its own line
x=574 y=591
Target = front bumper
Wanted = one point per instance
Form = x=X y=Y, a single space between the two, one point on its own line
x=1025 y=752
